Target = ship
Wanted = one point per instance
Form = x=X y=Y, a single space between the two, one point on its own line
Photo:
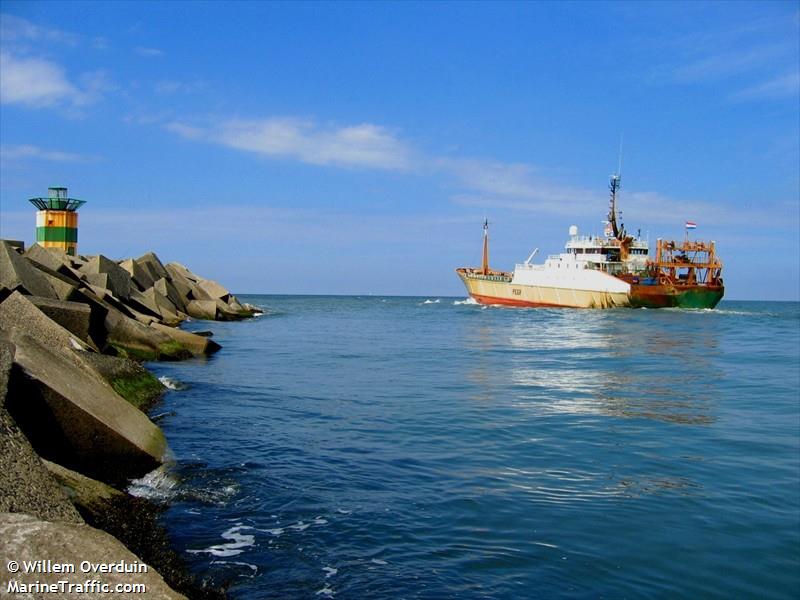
x=604 y=271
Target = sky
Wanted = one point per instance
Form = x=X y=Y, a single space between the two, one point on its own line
x=356 y=148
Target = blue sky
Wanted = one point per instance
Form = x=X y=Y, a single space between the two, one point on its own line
x=357 y=147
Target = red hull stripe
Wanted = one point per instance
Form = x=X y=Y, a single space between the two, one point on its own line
x=511 y=302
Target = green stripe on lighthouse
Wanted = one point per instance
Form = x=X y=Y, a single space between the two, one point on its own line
x=56 y=234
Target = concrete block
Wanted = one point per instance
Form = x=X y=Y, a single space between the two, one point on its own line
x=166 y=288
x=152 y=265
x=144 y=303
x=17 y=312
x=97 y=280
x=128 y=378
x=117 y=279
x=197 y=344
x=214 y=290
x=181 y=283
x=71 y=415
x=202 y=309
x=27 y=538
x=25 y=484
x=17 y=273
x=165 y=308
x=140 y=277
x=72 y=316
x=52 y=258
x=64 y=284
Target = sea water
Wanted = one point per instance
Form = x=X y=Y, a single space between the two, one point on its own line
x=383 y=447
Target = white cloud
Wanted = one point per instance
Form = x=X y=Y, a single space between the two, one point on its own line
x=783 y=86
x=363 y=145
x=148 y=52
x=35 y=82
x=17 y=29
x=170 y=87
x=187 y=131
x=23 y=151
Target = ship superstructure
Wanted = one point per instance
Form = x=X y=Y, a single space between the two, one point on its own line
x=612 y=270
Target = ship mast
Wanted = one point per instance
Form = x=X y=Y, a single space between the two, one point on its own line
x=485 y=264
x=613 y=186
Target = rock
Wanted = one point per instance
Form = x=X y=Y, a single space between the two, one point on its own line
x=26 y=538
x=139 y=275
x=165 y=287
x=70 y=414
x=86 y=494
x=17 y=273
x=181 y=282
x=17 y=312
x=197 y=344
x=97 y=280
x=52 y=258
x=144 y=303
x=202 y=309
x=63 y=282
x=135 y=340
x=150 y=263
x=214 y=290
x=72 y=316
x=165 y=308
x=128 y=378
x=25 y=484
x=116 y=279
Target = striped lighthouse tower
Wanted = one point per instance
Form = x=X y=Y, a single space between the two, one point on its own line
x=57 y=220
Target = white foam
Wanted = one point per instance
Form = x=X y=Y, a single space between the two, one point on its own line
x=159 y=484
x=320 y=521
x=378 y=561
x=330 y=571
x=300 y=526
x=172 y=383
x=326 y=591
x=237 y=541
x=432 y=301
x=343 y=511
x=469 y=300
x=254 y=568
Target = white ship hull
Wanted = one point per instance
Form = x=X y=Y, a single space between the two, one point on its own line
x=581 y=289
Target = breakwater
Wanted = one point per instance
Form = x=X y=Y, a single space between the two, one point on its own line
x=73 y=431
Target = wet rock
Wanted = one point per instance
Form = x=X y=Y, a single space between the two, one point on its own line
x=128 y=378
x=70 y=414
x=202 y=309
x=25 y=484
x=132 y=339
x=26 y=538
x=17 y=273
x=197 y=344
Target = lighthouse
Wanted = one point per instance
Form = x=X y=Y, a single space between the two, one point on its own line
x=57 y=220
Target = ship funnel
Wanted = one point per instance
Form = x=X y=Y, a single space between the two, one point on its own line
x=573 y=230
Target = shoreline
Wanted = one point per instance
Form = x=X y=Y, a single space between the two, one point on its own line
x=74 y=403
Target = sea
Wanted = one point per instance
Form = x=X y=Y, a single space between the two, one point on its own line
x=400 y=447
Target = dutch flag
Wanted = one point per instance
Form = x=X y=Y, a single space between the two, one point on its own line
x=691 y=225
